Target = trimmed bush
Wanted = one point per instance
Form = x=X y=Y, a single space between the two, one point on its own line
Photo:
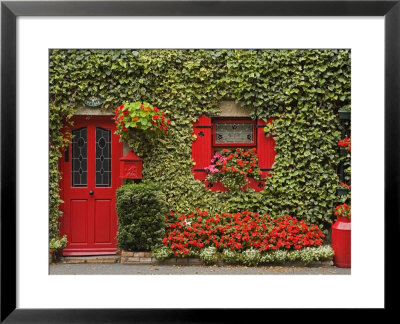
x=141 y=209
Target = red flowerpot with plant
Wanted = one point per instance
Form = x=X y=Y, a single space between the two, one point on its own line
x=341 y=236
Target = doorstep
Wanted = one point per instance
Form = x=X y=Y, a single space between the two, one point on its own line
x=90 y=259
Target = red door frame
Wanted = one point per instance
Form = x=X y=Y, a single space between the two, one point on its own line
x=98 y=208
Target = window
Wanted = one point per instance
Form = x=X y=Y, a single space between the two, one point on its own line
x=213 y=135
x=79 y=157
x=232 y=133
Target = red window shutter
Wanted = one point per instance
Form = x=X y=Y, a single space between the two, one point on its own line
x=201 y=147
x=265 y=148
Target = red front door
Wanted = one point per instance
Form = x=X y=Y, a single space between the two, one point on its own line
x=90 y=176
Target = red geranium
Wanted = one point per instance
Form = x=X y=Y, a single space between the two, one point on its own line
x=345 y=143
x=238 y=232
x=343 y=210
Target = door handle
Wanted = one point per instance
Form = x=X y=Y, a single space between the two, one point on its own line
x=91 y=192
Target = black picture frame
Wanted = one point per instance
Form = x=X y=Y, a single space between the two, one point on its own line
x=10 y=10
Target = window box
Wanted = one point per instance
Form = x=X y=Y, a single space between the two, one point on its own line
x=219 y=187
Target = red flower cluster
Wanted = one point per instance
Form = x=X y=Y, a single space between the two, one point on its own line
x=234 y=165
x=345 y=186
x=238 y=232
x=159 y=120
x=346 y=143
x=343 y=210
x=119 y=117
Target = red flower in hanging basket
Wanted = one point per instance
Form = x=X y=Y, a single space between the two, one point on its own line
x=344 y=186
x=345 y=143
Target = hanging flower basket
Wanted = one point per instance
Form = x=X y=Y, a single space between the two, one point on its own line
x=140 y=116
x=343 y=151
x=345 y=146
x=344 y=114
x=342 y=191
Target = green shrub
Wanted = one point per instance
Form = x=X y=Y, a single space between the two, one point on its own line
x=251 y=257
x=267 y=257
x=58 y=243
x=321 y=253
x=209 y=255
x=231 y=256
x=162 y=252
x=141 y=209
x=306 y=255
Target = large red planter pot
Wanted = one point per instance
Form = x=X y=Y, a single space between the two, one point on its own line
x=341 y=242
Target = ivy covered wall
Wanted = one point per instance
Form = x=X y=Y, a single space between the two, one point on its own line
x=302 y=89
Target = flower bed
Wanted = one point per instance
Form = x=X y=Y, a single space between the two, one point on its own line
x=247 y=236
x=249 y=257
x=238 y=232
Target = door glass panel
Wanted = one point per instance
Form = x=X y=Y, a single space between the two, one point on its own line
x=234 y=133
x=103 y=157
x=79 y=157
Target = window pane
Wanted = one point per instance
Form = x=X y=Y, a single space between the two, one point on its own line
x=79 y=157
x=234 y=133
x=103 y=157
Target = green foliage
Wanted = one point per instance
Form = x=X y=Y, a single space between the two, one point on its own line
x=209 y=255
x=251 y=257
x=140 y=116
x=58 y=243
x=306 y=255
x=302 y=89
x=141 y=209
x=162 y=252
x=231 y=256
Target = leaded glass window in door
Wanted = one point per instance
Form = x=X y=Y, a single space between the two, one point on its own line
x=79 y=172
x=103 y=157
